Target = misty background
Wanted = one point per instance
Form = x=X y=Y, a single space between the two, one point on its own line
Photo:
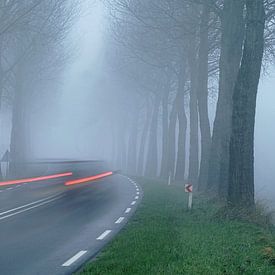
x=74 y=122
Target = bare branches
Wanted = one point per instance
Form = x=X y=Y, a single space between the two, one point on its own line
x=32 y=35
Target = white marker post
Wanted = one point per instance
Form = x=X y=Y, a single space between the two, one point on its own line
x=189 y=189
x=169 y=179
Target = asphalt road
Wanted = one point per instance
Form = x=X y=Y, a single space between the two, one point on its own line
x=48 y=228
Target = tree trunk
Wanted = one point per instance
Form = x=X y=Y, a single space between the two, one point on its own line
x=194 y=133
x=114 y=147
x=165 y=122
x=132 y=148
x=1 y=73
x=152 y=155
x=241 y=164
x=19 y=144
x=1 y=91
x=143 y=140
x=172 y=139
x=180 y=165
x=231 y=52
x=121 y=149
x=202 y=88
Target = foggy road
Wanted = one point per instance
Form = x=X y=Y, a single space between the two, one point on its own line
x=48 y=228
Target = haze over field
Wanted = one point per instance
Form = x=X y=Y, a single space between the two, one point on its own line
x=75 y=126
x=264 y=139
x=112 y=80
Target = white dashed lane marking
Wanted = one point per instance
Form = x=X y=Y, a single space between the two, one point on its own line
x=75 y=258
x=25 y=208
x=127 y=210
x=104 y=235
x=120 y=220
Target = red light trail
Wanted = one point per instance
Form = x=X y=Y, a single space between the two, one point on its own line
x=35 y=179
x=92 y=178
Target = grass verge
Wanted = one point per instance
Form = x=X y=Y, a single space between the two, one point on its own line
x=164 y=238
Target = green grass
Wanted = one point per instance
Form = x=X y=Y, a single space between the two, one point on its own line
x=164 y=238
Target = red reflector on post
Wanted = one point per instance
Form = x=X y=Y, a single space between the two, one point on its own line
x=92 y=178
x=10 y=182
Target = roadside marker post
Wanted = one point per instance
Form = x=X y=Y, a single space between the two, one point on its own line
x=169 y=179
x=189 y=190
x=5 y=164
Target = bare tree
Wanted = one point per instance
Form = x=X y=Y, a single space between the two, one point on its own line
x=241 y=171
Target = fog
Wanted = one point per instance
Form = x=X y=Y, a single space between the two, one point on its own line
x=109 y=105
x=265 y=139
x=93 y=99
x=71 y=128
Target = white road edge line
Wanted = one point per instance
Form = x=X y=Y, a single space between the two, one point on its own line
x=104 y=235
x=133 y=202
x=75 y=258
x=26 y=205
x=128 y=210
x=120 y=220
x=27 y=209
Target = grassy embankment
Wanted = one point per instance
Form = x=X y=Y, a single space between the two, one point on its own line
x=164 y=238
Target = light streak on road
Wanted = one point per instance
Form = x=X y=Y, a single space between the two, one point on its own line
x=92 y=178
x=28 y=180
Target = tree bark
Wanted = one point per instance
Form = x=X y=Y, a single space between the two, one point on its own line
x=180 y=165
x=241 y=163
x=19 y=147
x=132 y=147
x=194 y=133
x=1 y=89
x=121 y=149
x=152 y=155
x=202 y=91
x=143 y=140
x=232 y=21
x=165 y=122
x=172 y=139
x=114 y=145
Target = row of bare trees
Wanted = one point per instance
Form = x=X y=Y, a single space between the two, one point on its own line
x=176 y=56
x=32 y=54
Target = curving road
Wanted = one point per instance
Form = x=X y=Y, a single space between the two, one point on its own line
x=48 y=228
